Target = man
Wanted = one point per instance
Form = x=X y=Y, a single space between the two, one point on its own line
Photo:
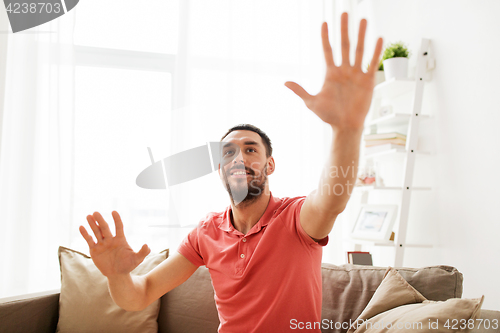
x=263 y=253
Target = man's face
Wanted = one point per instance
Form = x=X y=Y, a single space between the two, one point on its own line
x=244 y=166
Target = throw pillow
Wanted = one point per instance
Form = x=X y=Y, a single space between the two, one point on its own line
x=85 y=304
x=397 y=305
x=392 y=292
x=453 y=315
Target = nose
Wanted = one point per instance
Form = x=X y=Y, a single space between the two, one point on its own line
x=238 y=157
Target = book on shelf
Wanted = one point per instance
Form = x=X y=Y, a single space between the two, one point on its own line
x=372 y=143
x=383 y=136
x=382 y=148
x=359 y=258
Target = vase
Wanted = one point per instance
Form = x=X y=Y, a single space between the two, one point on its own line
x=396 y=68
x=379 y=77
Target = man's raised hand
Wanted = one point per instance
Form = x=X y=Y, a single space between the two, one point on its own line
x=345 y=97
x=111 y=254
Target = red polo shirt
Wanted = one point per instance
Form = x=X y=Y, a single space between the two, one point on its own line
x=268 y=280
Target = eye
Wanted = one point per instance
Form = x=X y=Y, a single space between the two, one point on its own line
x=227 y=152
x=251 y=149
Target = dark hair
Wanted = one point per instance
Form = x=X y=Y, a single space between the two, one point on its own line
x=248 y=127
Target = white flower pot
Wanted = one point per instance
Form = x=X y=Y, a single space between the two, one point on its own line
x=396 y=68
x=379 y=77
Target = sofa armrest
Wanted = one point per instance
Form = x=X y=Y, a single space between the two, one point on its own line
x=30 y=313
x=491 y=319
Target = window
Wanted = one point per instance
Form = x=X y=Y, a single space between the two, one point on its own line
x=151 y=26
x=125 y=69
x=118 y=114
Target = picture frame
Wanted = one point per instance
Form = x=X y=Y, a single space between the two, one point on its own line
x=374 y=222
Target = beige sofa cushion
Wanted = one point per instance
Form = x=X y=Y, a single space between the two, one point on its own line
x=453 y=315
x=394 y=291
x=398 y=306
x=85 y=304
x=347 y=289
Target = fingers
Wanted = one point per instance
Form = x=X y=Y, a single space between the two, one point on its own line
x=118 y=224
x=106 y=233
x=361 y=44
x=87 y=237
x=143 y=252
x=344 y=34
x=327 y=48
x=299 y=91
x=376 y=56
x=95 y=228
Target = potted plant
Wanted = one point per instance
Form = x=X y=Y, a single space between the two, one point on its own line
x=395 y=61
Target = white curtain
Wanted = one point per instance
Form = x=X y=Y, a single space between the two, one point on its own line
x=36 y=156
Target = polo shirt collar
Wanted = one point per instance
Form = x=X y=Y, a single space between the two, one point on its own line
x=273 y=204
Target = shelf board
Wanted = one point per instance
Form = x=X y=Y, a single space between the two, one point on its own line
x=382 y=243
x=385 y=152
x=393 y=119
x=393 y=88
x=390 y=188
x=393 y=151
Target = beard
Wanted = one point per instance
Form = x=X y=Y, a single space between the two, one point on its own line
x=244 y=191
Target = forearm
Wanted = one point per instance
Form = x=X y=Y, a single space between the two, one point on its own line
x=340 y=171
x=128 y=291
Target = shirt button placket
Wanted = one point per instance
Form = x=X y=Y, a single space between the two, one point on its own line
x=240 y=266
x=242 y=255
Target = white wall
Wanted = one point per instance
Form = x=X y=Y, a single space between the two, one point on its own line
x=459 y=215
x=3 y=59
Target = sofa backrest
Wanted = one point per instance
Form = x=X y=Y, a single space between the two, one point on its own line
x=30 y=313
x=347 y=289
x=190 y=307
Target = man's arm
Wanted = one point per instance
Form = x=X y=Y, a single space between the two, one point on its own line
x=135 y=293
x=321 y=207
x=342 y=103
x=171 y=273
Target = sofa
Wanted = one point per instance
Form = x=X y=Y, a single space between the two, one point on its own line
x=190 y=307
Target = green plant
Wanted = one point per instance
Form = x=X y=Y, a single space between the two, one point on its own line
x=380 y=66
x=394 y=50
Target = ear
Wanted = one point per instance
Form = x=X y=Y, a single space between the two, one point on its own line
x=271 y=166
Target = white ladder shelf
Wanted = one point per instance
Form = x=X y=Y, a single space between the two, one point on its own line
x=390 y=89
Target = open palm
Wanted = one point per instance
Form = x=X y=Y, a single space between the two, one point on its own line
x=345 y=97
x=111 y=254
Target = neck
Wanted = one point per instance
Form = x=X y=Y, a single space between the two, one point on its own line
x=244 y=216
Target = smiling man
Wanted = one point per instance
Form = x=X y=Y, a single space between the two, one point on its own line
x=265 y=268
x=263 y=252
